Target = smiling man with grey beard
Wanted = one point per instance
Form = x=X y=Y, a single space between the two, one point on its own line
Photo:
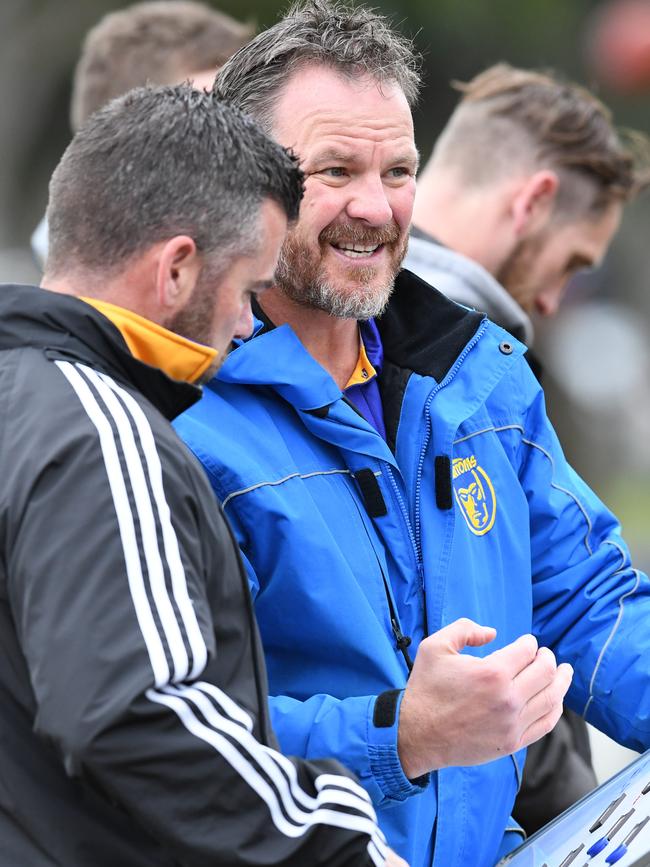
x=412 y=533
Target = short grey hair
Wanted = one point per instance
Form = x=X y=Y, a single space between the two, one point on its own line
x=159 y=162
x=353 y=41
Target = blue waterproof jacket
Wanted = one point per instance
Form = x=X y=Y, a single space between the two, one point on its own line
x=352 y=543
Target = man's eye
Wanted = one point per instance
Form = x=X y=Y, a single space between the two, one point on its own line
x=333 y=172
x=399 y=172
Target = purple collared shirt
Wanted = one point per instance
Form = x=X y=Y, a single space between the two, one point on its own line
x=365 y=395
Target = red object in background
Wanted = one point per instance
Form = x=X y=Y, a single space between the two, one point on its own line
x=619 y=45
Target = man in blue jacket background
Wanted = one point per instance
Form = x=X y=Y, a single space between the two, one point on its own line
x=395 y=482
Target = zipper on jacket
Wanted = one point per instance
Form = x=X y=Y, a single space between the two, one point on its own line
x=428 y=433
x=417 y=550
x=403 y=642
x=415 y=545
x=414 y=542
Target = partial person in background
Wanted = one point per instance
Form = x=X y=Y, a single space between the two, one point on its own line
x=525 y=187
x=135 y=728
x=158 y=42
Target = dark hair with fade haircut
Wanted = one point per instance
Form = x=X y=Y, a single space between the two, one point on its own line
x=160 y=162
x=158 y=42
x=350 y=40
x=560 y=124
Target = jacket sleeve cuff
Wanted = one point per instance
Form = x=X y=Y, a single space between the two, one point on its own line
x=385 y=765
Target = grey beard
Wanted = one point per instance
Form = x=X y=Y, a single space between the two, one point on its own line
x=359 y=304
x=300 y=275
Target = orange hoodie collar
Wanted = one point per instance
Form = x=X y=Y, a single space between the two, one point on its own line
x=149 y=342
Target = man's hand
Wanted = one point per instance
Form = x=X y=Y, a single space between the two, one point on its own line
x=394 y=860
x=462 y=710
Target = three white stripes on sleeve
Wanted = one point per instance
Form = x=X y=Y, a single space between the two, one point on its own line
x=220 y=722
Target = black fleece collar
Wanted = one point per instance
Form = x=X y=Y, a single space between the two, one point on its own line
x=422 y=330
x=67 y=327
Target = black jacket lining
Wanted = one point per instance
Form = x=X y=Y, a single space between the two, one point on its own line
x=422 y=330
x=392 y=385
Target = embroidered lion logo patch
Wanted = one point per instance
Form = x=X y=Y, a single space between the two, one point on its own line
x=474 y=494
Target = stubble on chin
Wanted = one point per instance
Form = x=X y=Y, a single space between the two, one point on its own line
x=514 y=274
x=301 y=273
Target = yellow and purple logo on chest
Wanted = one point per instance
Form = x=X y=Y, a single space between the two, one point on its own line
x=474 y=494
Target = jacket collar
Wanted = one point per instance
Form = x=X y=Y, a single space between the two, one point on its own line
x=177 y=356
x=421 y=331
x=275 y=357
x=69 y=328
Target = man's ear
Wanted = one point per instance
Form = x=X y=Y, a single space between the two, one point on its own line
x=533 y=203
x=179 y=267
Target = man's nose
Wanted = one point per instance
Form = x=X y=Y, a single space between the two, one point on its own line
x=244 y=325
x=369 y=202
x=547 y=302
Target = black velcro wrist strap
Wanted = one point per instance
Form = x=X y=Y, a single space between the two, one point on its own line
x=385 y=709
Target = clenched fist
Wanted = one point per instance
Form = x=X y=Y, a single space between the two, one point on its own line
x=462 y=710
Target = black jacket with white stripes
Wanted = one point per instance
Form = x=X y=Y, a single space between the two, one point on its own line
x=133 y=718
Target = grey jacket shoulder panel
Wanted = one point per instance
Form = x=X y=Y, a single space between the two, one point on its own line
x=468 y=283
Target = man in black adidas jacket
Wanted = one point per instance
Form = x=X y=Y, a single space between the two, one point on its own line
x=133 y=711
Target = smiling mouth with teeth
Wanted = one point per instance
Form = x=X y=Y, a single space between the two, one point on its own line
x=357 y=251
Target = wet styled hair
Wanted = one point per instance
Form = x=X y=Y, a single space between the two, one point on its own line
x=159 y=162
